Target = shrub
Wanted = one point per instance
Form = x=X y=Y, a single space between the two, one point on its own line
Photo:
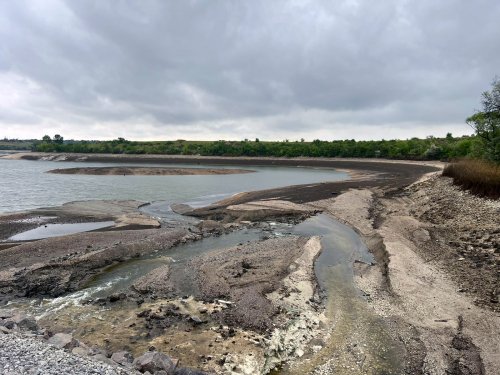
x=478 y=176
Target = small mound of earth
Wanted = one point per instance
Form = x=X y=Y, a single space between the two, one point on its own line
x=147 y=171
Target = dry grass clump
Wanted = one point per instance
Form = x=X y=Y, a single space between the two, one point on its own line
x=478 y=176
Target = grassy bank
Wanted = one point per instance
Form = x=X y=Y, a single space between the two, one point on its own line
x=478 y=176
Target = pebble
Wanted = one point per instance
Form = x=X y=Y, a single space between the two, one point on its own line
x=29 y=355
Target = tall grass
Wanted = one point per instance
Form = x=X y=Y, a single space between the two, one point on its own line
x=478 y=176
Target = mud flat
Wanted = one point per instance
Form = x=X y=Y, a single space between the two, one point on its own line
x=147 y=171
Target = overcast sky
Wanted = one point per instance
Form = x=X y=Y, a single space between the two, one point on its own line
x=233 y=69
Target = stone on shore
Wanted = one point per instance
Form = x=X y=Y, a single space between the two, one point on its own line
x=63 y=341
x=154 y=362
x=123 y=358
x=24 y=322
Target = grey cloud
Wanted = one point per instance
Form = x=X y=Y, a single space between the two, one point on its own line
x=261 y=66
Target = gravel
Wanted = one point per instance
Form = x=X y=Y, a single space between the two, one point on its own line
x=29 y=355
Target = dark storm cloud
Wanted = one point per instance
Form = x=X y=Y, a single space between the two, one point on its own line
x=274 y=69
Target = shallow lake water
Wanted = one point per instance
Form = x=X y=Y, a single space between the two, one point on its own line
x=25 y=185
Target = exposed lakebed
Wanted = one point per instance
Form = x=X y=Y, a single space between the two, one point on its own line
x=116 y=325
x=186 y=323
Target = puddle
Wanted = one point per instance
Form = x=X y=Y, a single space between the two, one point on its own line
x=55 y=230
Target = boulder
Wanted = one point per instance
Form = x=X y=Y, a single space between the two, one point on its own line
x=4 y=314
x=155 y=361
x=123 y=358
x=63 y=341
x=24 y=322
x=195 y=320
x=7 y=323
x=4 y=330
x=79 y=351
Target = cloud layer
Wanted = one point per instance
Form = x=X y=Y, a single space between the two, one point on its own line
x=225 y=69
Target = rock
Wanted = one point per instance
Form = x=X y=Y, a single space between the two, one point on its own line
x=104 y=359
x=7 y=323
x=116 y=297
x=195 y=320
x=210 y=226
x=5 y=314
x=123 y=358
x=82 y=352
x=144 y=313
x=63 y=341
x=153 y=362
x=24 y=322
x=4 y=330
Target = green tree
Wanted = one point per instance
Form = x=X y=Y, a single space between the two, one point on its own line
x=46 y=139
x=58 y=139
x=486 y=123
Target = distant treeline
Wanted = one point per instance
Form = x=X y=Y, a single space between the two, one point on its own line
x=430 y=148
x=16 y=144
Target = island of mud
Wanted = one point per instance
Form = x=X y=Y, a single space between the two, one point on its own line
x=147 y=171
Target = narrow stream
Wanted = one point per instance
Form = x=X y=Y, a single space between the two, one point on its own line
x=359 y=341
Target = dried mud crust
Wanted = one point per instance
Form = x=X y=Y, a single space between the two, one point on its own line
x=462 y=235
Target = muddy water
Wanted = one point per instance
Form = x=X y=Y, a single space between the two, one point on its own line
x=357 y=342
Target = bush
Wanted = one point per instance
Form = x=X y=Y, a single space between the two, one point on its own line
x=478 y=176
